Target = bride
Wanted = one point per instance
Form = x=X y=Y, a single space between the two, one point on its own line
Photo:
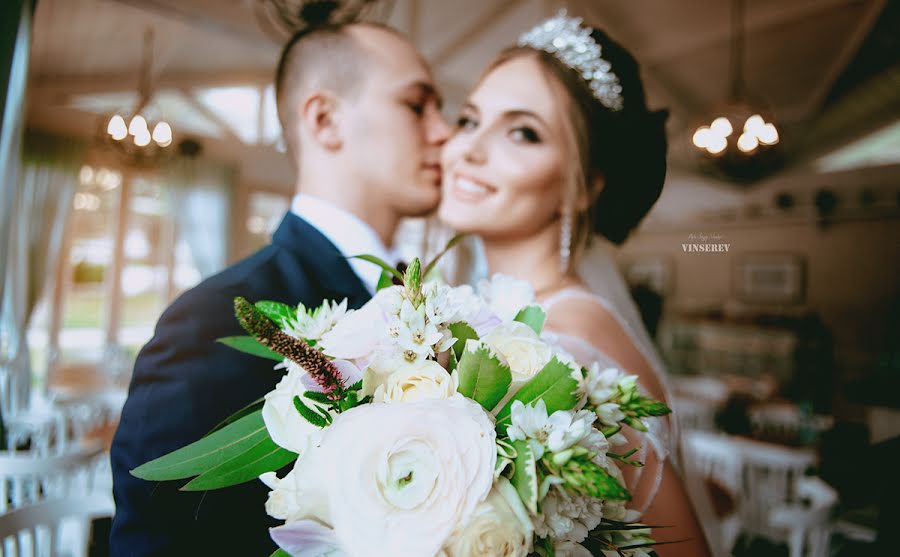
x=554 y=145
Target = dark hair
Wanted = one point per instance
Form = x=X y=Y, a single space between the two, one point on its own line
x=627 y=147
x=320 y=50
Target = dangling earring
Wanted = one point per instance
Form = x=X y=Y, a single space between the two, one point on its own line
x=565 y=239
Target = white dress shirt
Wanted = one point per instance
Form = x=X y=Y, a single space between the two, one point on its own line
x=349 y=234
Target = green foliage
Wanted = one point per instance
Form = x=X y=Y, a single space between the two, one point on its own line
x=482 y=377
x=533 y=316
x=461 y=332
x=583 y=476
x=554 y=385
x=250 y=345
x=524 y=477
x=276 y=311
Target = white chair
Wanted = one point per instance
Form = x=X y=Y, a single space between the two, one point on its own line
x=786 y=422
x=26 y=478
x=712 y=458
x=41 y=529
x=694 y=413
x=771 y=476
x=808 y=523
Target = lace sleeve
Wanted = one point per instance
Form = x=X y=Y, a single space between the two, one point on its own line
x=661 y=438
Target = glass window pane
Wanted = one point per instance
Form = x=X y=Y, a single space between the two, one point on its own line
x=85 y=297
x=266 y=209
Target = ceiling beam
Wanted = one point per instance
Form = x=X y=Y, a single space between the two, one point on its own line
x=60 y=89
x=211 y=116
x=717 y=34
x=470 y=34
x=841 y=61
x=201 y=21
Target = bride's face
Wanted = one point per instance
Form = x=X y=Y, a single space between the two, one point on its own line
x=503 y=168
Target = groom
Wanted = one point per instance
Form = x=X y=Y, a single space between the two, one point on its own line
x=361 y=118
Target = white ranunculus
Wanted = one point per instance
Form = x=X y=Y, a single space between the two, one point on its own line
x=520 y=348
x=425 y=380
x=298 y=496
x=500 y=527
x=287 y=428
x=359 y=333
x=506 y=295
x=401 y=477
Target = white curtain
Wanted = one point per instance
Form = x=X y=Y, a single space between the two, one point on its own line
x=48 y=177
x=202 y=192
x=15 y=37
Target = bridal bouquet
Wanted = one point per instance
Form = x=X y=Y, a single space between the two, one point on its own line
x=433 y=421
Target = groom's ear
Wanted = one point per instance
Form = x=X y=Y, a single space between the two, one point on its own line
x=319 y=116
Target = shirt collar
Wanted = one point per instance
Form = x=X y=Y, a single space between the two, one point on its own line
x=349 y=234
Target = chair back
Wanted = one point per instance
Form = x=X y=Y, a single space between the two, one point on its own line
x=51 y=528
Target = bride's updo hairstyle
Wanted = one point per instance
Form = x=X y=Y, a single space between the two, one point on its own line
x=626 y=148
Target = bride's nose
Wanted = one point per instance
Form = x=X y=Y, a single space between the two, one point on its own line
x=474 y=153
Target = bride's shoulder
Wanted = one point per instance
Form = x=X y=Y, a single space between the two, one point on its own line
x=579 y=313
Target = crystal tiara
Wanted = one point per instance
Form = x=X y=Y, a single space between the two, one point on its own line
x=572 y=44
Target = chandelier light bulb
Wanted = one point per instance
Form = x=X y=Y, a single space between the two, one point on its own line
x=162 y=134
x=142 y=138
x=716 y=144
x=754 y=125
x=701 y=137
x=116 y=128
x=721 y=126
x=768 y=134
x=747 y=142
x=138 y=126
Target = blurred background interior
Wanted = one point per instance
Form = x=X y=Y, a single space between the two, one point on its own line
x=140 y=152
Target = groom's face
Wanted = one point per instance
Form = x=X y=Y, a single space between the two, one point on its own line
x=395 y=126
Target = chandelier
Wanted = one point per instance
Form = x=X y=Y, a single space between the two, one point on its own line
x=740 y=139
x=140 y=135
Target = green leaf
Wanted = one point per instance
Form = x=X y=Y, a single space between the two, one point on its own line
x=251 y=346
x=554 y=385
x=482 y=377
x=525 y=477
x=308 y=414
x=384 y=281
x=380 y=262
x=207 y=453
x=453 y=363
x=533 y=316
x=249 y=409
x=276 y=311
x=461 y=332
x=280 y=553
x=263 y=457
x=450 y=245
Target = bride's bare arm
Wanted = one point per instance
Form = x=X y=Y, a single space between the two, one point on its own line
x=671 y=507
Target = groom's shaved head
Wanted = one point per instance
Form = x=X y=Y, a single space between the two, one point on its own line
x=330 y=57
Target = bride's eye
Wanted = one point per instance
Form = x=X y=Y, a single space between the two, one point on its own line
x=418 y=108
x=525 y=134
x=466 y=123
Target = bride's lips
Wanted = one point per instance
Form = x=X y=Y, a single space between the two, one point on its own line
x=434 y=169
x=468 y=189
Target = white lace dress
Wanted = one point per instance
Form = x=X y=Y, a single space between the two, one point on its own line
x=662 y=435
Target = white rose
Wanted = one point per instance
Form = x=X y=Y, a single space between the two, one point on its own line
x=519 y=346
x=287 y=428
x=506 y=295
x=500 y=527
x=401 y=477
x=425 y=380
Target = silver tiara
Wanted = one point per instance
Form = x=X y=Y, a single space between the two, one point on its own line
x=572 y=44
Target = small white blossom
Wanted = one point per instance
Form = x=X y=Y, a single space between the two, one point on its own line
x=312 y=325
x=556 y=432
x=567 y=516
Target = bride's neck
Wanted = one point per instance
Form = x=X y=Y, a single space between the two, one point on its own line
x=532 y=258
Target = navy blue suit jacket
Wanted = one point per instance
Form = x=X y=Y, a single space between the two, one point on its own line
x=184 y=383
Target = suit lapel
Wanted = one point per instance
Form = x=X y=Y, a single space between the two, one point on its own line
x=328 y=267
